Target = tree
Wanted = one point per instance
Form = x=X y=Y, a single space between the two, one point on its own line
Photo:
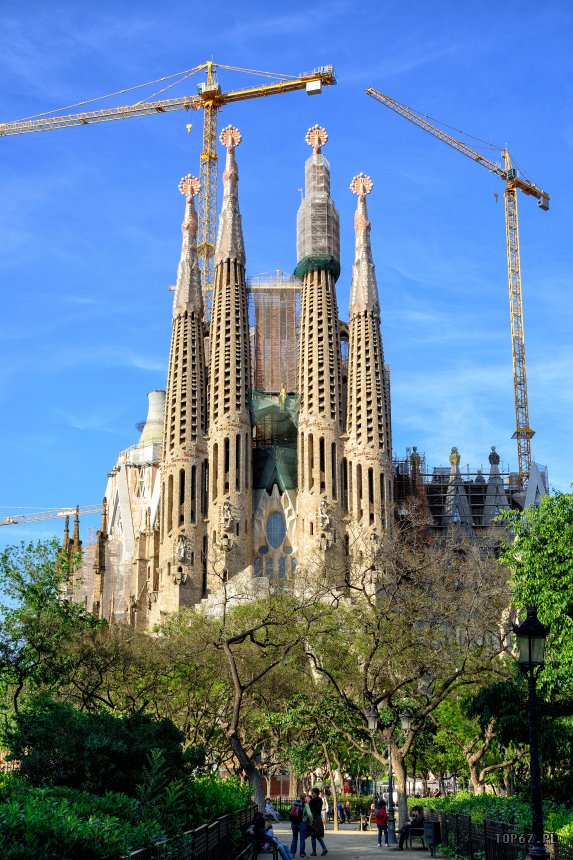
x=98 y=752
x=541 y=562
x=37 y=619
x=412 y=626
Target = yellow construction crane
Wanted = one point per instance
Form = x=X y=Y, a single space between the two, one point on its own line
x=513 y=184
x=210 y=99
x=50 y=514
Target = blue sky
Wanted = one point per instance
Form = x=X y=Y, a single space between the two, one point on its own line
x=90 y=217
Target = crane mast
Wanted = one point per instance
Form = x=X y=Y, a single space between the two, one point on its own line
x=51 y=514
x=210 y=99
x=513 y=183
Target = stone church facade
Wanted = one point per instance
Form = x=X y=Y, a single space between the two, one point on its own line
x=270 y=450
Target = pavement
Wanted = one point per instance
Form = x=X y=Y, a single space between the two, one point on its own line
x=351 y=844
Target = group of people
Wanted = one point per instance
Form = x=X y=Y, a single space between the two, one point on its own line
x=307 y=818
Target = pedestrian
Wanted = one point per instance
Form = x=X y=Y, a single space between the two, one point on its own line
x=317 y=831
x=381 y=819
x=341 y=813
x=324 y=811
x=299 y=816
x=347 y=812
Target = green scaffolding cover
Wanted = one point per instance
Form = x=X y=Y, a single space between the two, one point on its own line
x=314 y=264
x=275 y=414
x=275 y=465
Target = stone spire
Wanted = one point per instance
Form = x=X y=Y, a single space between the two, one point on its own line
x=363 y=290
x=66 y=542
x=188 y=294
x=230 y=430
x=457 y=510
x=320 y=375
x=496 y=498
x=230 y=244
x=184 y=467
x=367 y=464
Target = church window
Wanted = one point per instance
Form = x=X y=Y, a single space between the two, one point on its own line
x=310 y=462
x=258 y=566
x=263 y=550
x=170 y=503
x=282 y=567
x=293 y=566
x=270 y=567
x=204 y=554
x=238 y=461
x=193 y=494
x=140 y=482
x=276 y=529
x=344 y=480
x=333 y=467
x=215 y=469
x=226 y=463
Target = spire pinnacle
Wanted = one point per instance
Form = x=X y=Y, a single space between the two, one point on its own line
x=230 y=243
x=363 y=291
x=188 y=296
x=316 y=137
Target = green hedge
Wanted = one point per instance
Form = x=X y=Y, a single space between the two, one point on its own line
x=510 y=810
x=56 y=822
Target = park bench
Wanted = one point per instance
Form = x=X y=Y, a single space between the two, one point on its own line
x=416 y=833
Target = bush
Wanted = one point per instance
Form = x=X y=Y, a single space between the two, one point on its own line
x=509 y=810
x=57 y=823
x=95 y=752
x=60 y=822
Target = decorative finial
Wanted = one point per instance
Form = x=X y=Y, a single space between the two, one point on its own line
x=316 y=137
x=455 y=457
x=361 y=185
x=494 y=457
x=189 y=186
x=230 y=137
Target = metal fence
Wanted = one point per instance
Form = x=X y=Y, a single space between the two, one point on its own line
x=492 y=840
x=220 y=840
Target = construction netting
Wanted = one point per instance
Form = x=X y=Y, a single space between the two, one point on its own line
x=274 y=311
x=326 y=263
x=275 y=416
x=317 y=221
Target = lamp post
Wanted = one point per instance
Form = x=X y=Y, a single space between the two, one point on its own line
x=405 y=721
x=531 y=635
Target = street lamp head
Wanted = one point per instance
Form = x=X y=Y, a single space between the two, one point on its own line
x=406 y=717
x=531 y=635
x=372 y=717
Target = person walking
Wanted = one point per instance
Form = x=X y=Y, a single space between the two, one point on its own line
x=317 y=831
x=300 y=817
x=324 y=811
x=381 y=819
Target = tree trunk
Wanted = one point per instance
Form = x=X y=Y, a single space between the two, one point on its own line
x=250 y=770
x=292 y=784
x=477 y=784
x=399 y=767
x=332 y=788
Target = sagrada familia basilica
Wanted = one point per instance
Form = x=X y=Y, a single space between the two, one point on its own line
x=270 y=450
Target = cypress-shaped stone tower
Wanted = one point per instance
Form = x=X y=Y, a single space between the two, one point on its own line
x=367 y=469
x=182 y=574
x=230 y=431
x=320 y=417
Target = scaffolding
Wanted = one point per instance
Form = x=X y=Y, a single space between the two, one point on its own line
x=274 y=313
x=414 y=480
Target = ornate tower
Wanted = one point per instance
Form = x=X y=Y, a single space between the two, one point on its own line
x=184 y=471
x=320 y=419
x=367 y=467
x=230 y=433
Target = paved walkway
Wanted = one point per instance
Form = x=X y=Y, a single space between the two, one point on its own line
x=351 y=844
